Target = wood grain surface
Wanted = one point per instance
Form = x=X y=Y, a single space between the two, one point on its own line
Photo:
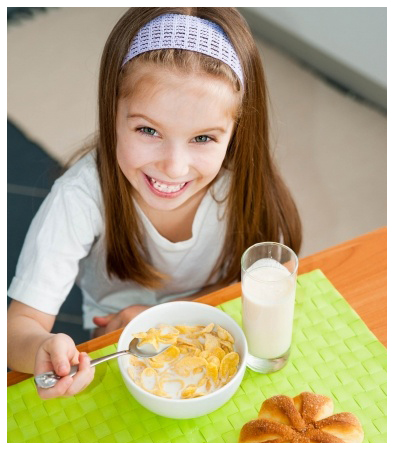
x=357 y=268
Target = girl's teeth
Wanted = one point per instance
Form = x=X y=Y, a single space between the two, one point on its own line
x=165 y=188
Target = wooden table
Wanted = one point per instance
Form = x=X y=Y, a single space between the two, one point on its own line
x=357 y=268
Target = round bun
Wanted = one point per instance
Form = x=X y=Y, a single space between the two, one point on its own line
x=305 y=418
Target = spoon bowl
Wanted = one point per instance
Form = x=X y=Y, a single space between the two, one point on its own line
x=134 y=350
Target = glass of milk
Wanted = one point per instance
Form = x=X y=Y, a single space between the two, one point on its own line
x=269 y=272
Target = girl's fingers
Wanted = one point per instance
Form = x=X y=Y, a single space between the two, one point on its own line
x=83 y=377
x=59 y=390
x=114 y=324
x=75 y=358
x=102 y=321
x=68 y=386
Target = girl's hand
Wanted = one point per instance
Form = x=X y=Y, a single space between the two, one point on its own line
x=112 y=322
x=58 y=353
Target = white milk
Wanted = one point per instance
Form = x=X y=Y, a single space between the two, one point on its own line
x=268 y=308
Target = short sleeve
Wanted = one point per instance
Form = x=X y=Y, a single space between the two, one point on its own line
x=60 y=235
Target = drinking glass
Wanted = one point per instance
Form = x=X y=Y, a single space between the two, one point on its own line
x=269 y=273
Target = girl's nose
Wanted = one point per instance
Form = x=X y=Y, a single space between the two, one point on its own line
x=175 y=162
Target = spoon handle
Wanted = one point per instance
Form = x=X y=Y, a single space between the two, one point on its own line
x=96 y=361
x=49 y=379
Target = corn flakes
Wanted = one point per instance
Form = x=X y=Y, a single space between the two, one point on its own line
x=212 y=371
x=224 y=335
x=189 y=391
x=219 y=352
x=228 y=366
x=201 y=359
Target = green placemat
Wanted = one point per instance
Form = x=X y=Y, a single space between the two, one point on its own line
x=333 y=353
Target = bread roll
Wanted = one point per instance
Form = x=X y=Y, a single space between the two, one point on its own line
x=305 y=418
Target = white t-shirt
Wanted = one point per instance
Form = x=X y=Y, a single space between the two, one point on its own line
x=65 y=244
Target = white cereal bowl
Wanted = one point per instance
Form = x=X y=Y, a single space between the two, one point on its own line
x=183 y=313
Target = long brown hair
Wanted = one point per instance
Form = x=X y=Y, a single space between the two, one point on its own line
x=259 y=205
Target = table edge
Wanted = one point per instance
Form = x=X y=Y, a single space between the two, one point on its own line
x=214 y=299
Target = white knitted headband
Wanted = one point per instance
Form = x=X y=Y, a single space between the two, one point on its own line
x=185 y=32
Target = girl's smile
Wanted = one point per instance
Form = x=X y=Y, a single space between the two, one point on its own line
x=166 y=189
x=173 y=131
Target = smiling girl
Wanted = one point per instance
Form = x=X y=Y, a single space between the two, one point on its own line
x=179 y=183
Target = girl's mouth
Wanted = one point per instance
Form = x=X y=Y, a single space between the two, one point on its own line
x=168 y=190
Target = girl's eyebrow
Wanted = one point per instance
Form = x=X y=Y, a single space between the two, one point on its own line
x=208 y=130
x=142 y=116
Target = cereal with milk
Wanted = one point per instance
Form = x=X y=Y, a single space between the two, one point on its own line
x=200 y=360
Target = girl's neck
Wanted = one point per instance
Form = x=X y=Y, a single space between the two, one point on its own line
x=175 y=225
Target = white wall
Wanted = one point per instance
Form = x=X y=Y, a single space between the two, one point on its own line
x=347 y=44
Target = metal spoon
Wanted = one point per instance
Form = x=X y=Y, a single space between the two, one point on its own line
x=49 y=379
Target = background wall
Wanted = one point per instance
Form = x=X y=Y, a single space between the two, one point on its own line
x=348 y=45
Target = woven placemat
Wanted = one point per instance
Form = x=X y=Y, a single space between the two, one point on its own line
x=333 y=353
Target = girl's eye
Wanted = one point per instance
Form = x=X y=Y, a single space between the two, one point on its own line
x=147 y=130
x=202 y=139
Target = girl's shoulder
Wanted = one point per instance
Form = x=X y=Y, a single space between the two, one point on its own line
x=83 y=170
x=81 y=176
x=79 y=188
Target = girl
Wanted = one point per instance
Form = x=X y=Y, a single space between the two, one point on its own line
x=179 y=183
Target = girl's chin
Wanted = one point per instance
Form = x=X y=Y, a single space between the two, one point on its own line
x=146 y=198
x=157 y=203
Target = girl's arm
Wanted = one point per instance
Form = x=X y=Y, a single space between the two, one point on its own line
x=33 y=349
x=27 y=329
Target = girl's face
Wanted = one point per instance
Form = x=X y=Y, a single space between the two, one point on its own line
x=172 y=135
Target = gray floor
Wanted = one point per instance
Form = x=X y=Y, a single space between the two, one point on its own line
x=330 y=146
